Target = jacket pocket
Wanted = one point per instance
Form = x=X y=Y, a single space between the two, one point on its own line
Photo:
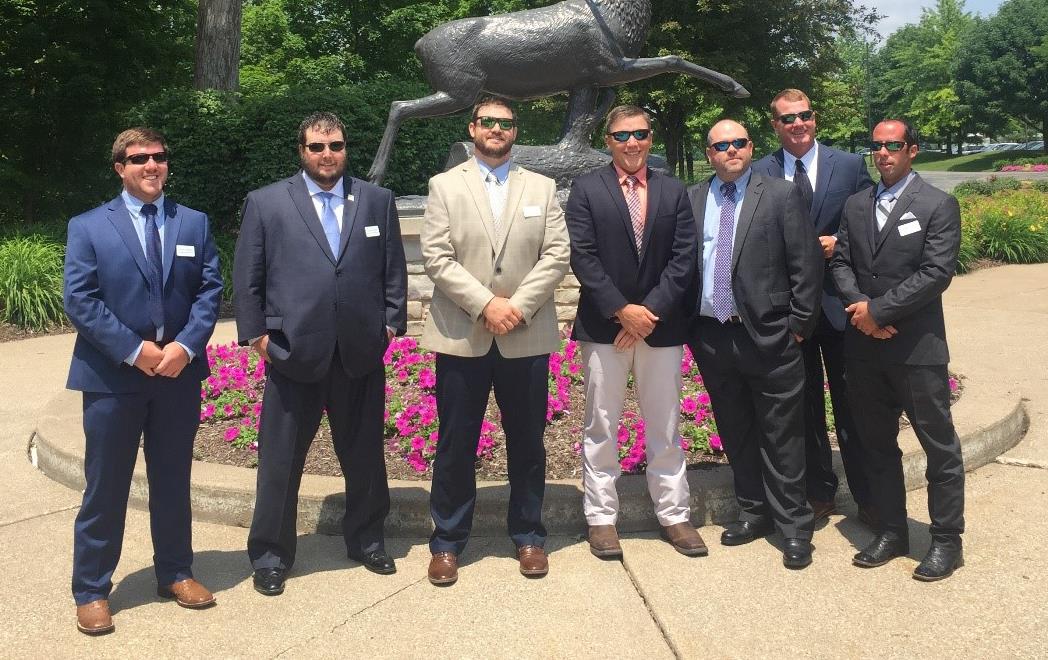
x=780 y=300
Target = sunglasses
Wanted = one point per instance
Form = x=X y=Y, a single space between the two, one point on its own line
x=723 y=145
x=891 y=145
x=641 y=134
x=318 y=147
x=791 y=117
x=490 y=123
x=142 y=159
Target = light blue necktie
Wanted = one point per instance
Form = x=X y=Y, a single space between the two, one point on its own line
x=330 y=223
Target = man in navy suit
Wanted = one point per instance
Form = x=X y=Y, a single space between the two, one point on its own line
x=142 y=288
x=320 y=288
x=825 y=177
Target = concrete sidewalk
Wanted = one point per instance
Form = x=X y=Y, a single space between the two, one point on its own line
x=738 y=602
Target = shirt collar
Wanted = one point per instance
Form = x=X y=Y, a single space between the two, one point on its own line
x=134 y=204
x=314 y=188
x=641 y=174
x=900 y=185
x=740 y=183
x=501 y=172
x=808 y=158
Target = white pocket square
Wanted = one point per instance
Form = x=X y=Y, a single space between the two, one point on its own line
x=908 y=216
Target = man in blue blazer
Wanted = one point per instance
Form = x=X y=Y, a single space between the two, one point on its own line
x=142 y=288
x=825 y=177
x=320 y=288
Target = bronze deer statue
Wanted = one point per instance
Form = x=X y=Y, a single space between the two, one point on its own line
x=575 y=46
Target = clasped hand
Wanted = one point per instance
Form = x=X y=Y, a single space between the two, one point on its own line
x=168 y=361
x=637 y=323
x=865 y=323
x=501 y=316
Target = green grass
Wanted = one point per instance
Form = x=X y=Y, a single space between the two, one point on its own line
x=928 y=161
x=31 y=282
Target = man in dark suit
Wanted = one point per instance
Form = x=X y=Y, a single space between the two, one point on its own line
x=633 y=251
x=142 y=288
x=825 y=178
x=896 y=253
x=758 y=300
x=320 y=290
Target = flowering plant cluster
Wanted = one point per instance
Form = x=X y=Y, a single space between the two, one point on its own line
x=232 y=395
x=1028 y=167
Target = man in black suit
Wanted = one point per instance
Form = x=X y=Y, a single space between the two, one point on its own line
x=633 y=250
x=896 y=253
x=758 y=300
x=320 y=289
x=825 y=178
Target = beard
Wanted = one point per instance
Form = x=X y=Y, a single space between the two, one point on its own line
x=323 y=179
x=495 y=152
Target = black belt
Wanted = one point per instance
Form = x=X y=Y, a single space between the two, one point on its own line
x=735 y=319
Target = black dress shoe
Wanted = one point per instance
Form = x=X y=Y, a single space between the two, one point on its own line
x=940 y=563
x=796 y=553
x=376 y=561
x=744 y=531
x=270 y=581
x=883 y=549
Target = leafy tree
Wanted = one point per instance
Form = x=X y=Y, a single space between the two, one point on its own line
x=840 y=96
x=1005 y=63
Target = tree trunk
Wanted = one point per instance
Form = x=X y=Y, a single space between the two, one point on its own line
x=217 y=63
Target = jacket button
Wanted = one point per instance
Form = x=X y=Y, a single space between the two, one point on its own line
x=498 y=271
x=875 y=276
x=339 y=272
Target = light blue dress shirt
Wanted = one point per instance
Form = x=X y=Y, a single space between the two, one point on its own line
x=710 y=231
x=338 y=199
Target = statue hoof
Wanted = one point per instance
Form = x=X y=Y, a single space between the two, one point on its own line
x=740 y=92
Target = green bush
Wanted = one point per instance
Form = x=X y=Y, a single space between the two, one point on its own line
x=31 y=282
x=1041 y=185
x=1011 y=227
x=986 y=187
x=971 y=243
x=1036 y=160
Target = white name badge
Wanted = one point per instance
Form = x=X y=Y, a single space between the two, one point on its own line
x=371 y=231
x=185 y=250
x=909 y=228
x=532 y=211
x=349 y=198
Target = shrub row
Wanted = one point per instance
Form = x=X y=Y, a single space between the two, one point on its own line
x=1010 y=226
x=998 y=165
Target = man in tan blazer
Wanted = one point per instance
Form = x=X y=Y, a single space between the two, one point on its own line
x=495 y=246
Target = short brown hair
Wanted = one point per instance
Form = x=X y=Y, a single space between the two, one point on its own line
x=325 y=122
x=791 y=95
x=492 y=100
x=623 y=111
x=133 y=136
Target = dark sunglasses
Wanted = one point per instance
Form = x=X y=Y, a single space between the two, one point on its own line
x=490 y=122
x=723 y=145
x=641 y=134
x=318 y=147
x=142 y=159
x=791 y=117
x=890 y=145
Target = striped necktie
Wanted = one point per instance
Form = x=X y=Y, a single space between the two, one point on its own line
x=633 y=204
x=885 y=203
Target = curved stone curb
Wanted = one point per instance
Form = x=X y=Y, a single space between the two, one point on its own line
x=226 y=494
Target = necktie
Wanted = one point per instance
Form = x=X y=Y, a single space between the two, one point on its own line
x=800 y=178
x=723 y=300
x=330 y=223
x=633 y=204
x=497 y=200
x=155 y=256
x=885 y=202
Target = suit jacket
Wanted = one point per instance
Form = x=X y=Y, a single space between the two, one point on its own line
x=612 y=273
x=840 y=175
x=287 y=282
x=776 y=262
x=469 y=266
x=902 y=276
x=106 y=294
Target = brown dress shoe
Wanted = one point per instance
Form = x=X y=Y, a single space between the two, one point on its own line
x=94 y=618
x=604 y=541
x=533 y=561
x=822 y=509
x=443 y=568
x=187 y=593
x=685 y=539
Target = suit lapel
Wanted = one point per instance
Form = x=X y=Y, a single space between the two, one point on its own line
x=300 y=196
x=654 y=183
x=471 y=177
x=699 y=210
x=121 y=220
x=172 y=225
x=749 y=206
x=611 y=181
x=349 y=213
x=778 y=166
x=824 y=173
x=903 y=203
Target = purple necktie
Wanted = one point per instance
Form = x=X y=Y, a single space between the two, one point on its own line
x=723 y=301
x=633 y=204
x=154 y=255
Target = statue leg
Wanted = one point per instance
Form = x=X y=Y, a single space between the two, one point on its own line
x=434 y=105
x=648 y=67
x=586 y=108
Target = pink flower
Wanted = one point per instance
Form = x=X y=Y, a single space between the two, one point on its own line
x=689 y=405
x=427 y=379
x=232 y=433
x=715 y=443
x=954 y=384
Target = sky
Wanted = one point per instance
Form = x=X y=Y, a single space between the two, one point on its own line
x=900 y=12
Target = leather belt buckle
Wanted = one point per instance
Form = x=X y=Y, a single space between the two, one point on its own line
x=735 y=320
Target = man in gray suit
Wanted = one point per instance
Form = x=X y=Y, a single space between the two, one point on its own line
x=320 y=289
x=496 y=247
x=759 y=293
x=825 y=178
x=896 y=253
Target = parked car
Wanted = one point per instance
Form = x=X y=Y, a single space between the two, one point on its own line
x=973 y=148
x=1035 y=145
x=1003 y=146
